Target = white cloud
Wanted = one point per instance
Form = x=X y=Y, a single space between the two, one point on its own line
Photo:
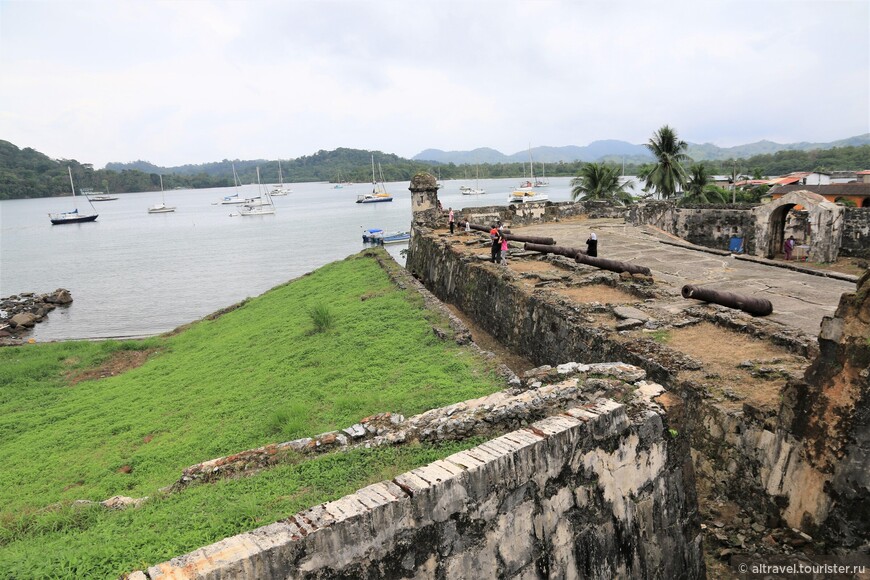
x=187 y=82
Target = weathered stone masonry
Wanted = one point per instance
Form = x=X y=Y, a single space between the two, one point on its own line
x=765 y=459
x=595 y=492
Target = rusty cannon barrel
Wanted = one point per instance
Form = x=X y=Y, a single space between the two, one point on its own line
x=548 y=249
x=516 y=237
x=612 y=265
x=748 y=304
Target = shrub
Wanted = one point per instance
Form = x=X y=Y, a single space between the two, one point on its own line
x=322 y=318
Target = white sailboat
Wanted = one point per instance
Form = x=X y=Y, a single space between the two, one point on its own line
x=234 y=199
x=524 y=193
x=263 y=205
x=379 y=191
x=73 y=217
x=161 y=207
x=476 y=189
x=280 y=190
x=543 y=182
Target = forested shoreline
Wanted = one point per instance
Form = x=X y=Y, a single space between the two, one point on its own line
x=27 y=173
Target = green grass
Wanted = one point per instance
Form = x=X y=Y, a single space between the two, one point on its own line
x=662 y=336
x=253 y=376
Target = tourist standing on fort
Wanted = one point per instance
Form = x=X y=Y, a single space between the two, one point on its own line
x=450 y=219
x=503 y=245
x=592 y=245
x=495 y=252
x=788 y=247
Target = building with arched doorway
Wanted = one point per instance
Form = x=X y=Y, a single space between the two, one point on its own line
x=814 y=221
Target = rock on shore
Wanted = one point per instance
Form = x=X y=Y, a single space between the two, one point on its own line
x=21 y=312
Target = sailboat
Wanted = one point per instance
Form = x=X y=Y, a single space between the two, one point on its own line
x=234 y=199
x=262 y=206
x=161 y=207
x=100 y=196
x=379 y=191
x=73 y=217
x=473 y=190
x=543 y=182
x=280 y=190
x=523 y=194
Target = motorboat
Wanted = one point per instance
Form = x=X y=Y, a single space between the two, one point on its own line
x=373 y=197
x=377 y=236
x=522 y=196
x=371 y=236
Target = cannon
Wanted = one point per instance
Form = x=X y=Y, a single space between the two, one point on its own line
x=612 y=265
x=516 y=237
x=748 y=304
x=547 y=249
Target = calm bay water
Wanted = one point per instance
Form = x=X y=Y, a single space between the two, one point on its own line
x=135 y=274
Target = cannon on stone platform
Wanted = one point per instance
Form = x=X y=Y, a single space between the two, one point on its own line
x=552 y=249
x=515 y=237
x=748 y=304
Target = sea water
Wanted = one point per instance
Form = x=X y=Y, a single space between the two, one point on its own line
x=135 y=274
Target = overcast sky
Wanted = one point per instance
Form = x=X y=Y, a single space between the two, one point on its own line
x=197 y=81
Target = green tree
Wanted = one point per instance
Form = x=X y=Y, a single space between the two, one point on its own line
x=598 y=181
x=667 y=175
x=698 y=187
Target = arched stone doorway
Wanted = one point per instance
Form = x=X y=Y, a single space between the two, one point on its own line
x=776 y=227
x=824 y=225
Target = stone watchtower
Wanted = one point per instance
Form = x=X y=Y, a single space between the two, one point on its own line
x=425 y=207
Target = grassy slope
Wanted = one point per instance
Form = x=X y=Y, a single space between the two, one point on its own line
x=255 y=375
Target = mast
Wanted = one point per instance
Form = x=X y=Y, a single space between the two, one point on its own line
x=531 y=166
x=162 y=195
x=374 y=181
x=280 y=175
x=71 y=184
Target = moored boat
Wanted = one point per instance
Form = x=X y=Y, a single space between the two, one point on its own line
x=72 y=217
x=379 y=191
x=522 y=196
x=161 y=207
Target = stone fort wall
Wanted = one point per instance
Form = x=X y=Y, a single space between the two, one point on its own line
x=594 y=492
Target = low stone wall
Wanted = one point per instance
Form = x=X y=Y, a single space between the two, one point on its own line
x=856 y=232
x=595 y=492
x=711 y=226
x=524 y=214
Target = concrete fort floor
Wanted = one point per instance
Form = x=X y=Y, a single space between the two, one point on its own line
x=799 y=300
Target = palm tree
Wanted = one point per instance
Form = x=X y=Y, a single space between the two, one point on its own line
x=597 y=181
x=670 y=152
x=698 y=188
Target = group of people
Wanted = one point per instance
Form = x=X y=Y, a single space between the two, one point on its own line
x=499 y=251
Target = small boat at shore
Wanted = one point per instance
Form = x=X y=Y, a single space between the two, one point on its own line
x=378 y=237
x=73 y=217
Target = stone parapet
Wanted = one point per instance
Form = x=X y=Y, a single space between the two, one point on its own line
x=594 y=492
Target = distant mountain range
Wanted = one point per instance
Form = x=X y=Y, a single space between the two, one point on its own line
x=613 y=150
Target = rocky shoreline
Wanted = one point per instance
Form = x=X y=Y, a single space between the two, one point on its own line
x=21 y=312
